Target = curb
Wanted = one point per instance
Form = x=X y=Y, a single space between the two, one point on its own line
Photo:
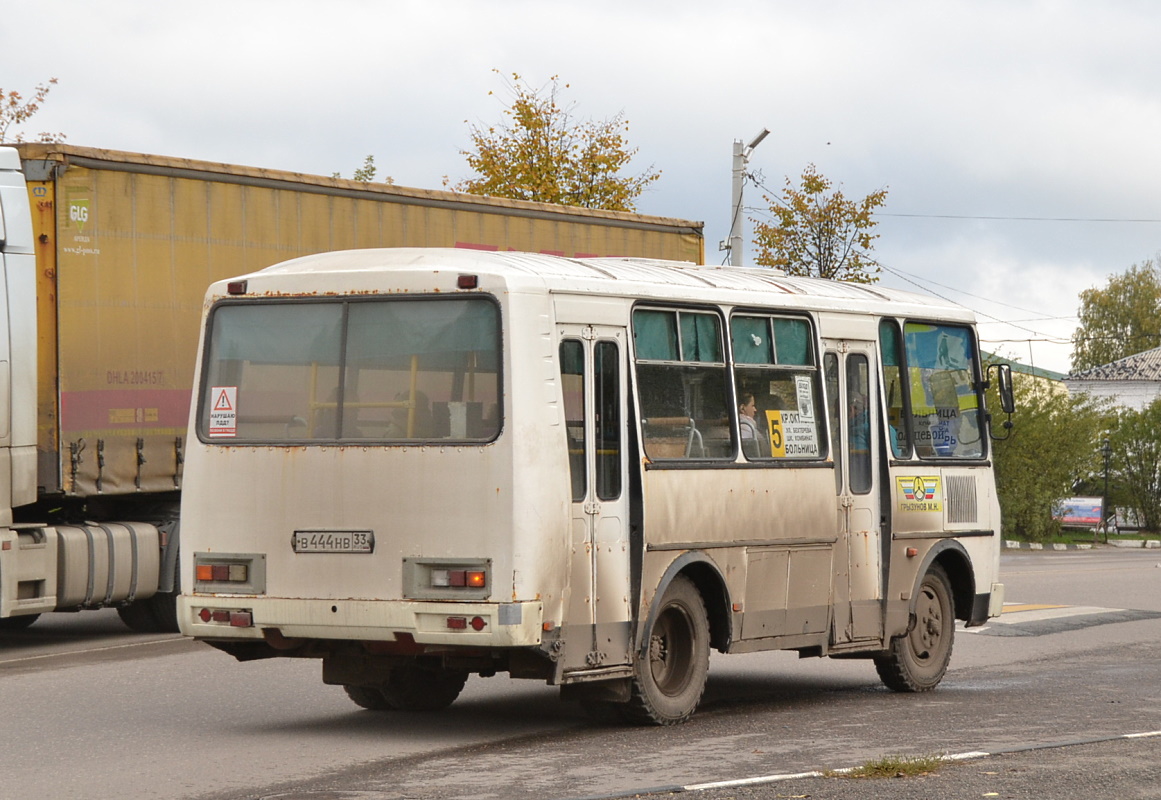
x=1149 y=544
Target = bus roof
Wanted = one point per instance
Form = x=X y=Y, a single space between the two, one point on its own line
x=621 y=277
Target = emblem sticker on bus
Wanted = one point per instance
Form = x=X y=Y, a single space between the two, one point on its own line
x=333 y=541
x=919 y=493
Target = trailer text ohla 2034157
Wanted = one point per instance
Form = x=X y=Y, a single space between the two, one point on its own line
x=106 y=257
x=419 y=464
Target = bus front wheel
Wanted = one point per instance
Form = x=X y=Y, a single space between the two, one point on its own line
x=917 y=660
x=673 y=665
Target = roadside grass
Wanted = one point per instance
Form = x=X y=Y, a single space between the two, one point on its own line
x=891 y=767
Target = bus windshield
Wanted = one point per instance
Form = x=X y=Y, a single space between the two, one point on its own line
x=391 y=370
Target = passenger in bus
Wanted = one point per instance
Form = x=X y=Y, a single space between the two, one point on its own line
x=752 y=438
x=404 y=424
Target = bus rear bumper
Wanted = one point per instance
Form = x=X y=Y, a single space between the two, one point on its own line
x=436 y=623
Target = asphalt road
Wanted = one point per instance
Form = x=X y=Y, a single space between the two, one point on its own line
x=1050 y=691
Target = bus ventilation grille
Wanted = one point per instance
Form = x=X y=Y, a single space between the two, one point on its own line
x=961 y=499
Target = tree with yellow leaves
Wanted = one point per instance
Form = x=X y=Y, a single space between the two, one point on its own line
x=544 y=154
x=817 y=232
x=15 y=111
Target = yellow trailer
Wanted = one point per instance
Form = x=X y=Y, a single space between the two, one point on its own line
x=127 y=244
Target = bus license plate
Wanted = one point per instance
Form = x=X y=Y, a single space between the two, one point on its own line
x=333 y=541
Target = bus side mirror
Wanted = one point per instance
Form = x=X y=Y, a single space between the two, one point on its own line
x=1004 y=380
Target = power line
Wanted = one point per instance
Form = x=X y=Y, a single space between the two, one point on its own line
x=925 y=285
x=896 y=271
x=904 y=276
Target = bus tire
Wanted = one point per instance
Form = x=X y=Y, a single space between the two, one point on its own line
x=917 y=660
x=414 y=687
x=367 y=697
x=18 y=623
x=138 y=616
x=673 y=666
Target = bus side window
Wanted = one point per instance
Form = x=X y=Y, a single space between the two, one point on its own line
x=859 y=422
x=775 y=369
x=607 y=405
x=831 y=371
x=681 y=380
x=572 y=376
x=895 y=386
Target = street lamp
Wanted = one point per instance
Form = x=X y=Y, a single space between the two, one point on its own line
x=741 y=158
x=1106 y=451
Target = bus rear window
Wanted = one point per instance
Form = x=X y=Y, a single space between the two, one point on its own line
x=396 y=370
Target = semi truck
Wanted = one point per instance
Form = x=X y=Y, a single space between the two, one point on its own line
x=106 y=258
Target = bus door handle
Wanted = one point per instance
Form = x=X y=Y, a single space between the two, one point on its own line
x=592 y=507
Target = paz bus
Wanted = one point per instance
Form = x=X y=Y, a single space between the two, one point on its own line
x=416 y=465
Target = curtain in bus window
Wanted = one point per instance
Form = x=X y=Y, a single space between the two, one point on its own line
x=572 y=371
x=894 y=381
x=681 y=381
x=700 y=338
x=655 y=335
x=944 y=402
x=750 y=338
x=792 y=338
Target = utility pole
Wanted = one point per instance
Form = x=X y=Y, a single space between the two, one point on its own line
x=741 y=158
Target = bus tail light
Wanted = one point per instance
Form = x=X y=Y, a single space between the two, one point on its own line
x=459 y=578
x=462 y=623
x=223 y=573
x=235 y=618
x=230 y=573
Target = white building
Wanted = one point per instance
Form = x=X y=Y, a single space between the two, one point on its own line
x=1132 y=382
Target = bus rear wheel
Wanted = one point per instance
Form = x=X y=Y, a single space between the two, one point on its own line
x=416 y=687
x=367 y=697
x=411 y=687
x=917 y=660
x=672 y=667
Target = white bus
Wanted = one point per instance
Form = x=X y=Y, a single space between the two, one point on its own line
x=417 y=465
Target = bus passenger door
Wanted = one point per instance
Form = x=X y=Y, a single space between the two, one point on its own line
x=854 y=424
x=592 y=362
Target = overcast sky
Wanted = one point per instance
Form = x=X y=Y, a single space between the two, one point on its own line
x=1020 y=141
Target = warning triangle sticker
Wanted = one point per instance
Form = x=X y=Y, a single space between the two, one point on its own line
x=223 y=402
